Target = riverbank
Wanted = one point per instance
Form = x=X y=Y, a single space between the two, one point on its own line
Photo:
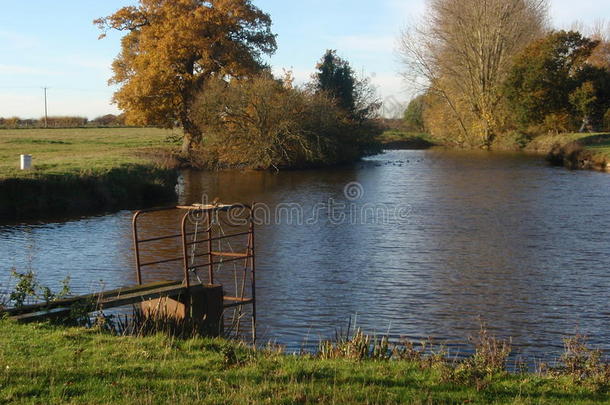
x=583 y=151
x=47 y=364
x=394 y=139
x=80 y=171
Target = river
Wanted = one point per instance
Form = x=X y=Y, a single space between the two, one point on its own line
x=417 y=244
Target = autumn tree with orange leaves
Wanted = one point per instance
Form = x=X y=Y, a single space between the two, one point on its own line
x=173 y=46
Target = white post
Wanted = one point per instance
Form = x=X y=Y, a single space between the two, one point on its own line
x=26 y=162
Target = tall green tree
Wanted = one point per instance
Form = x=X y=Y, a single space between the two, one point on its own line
x=173 y=46
x=336 y=78
x=553 y=76
x=414 y=114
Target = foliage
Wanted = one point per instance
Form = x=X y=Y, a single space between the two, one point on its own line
x=29 y=288
x=582 y=361
x=50 y=122
x=109 y=120
x=358 y=346
x=173 y=46
x=267 y=123
x=489 y=359
x=606 y=121
x=414 y=115
x=461 y=54
x=336 y=79
x=553 y=85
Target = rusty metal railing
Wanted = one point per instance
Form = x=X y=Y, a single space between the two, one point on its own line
x=201 y=211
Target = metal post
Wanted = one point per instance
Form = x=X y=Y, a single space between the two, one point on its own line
x=253 y=269
x=46 y=124
x=187 y=276
x=210 y=255
x=136 y=246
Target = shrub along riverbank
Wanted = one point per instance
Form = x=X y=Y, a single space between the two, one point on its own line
x=575 y=150
x=78 y=171
x=48 y=364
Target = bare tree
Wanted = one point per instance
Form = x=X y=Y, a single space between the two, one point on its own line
x=461 y=52
x=599 y=30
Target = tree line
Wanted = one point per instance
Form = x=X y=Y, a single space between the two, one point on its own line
x=199 y=65
x=108 y=120
x=494 y=69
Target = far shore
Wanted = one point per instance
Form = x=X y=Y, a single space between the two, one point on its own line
x=575 y=151
x=95 y=170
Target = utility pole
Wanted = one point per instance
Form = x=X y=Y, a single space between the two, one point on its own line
x=46 y=124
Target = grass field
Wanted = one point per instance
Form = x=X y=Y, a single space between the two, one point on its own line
x=85 y=171
x=78 y=151
x=46 y=364
x=402 y=139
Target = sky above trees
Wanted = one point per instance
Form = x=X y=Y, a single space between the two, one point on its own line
x=55 y=44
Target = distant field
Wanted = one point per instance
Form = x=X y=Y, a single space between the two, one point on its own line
x=78 y=151
x=396 y=139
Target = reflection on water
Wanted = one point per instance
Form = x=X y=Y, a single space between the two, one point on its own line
x=497 y=236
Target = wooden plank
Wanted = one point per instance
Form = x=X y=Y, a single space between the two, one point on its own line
x=170 y=291
x=96 y=296
x=230 y=254
x=236 y=301
x=48 y=314
x=137 y=297
x=227 y=298
x=239 y=304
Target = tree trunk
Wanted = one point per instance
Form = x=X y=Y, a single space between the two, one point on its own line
x=192 y=135
x=187 y=144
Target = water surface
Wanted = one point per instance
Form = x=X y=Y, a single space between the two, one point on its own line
x=435 y=242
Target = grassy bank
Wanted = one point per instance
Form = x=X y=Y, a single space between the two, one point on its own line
x=397 y=139
x=83 y=170
x=46 y=364
x=575 y=150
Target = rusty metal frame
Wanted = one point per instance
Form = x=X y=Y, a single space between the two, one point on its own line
x=208 y=211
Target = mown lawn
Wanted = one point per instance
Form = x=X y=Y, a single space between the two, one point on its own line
x=46 y=364
x=79 y=151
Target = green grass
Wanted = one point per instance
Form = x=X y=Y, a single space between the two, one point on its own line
x=47 y=364
x=78 y=151
x=600 y=146
x=85 y=170
x=394 y=135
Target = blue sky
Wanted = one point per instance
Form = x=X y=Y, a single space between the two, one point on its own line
x=54 y=44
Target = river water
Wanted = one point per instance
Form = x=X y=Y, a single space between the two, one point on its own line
x=413 y=244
